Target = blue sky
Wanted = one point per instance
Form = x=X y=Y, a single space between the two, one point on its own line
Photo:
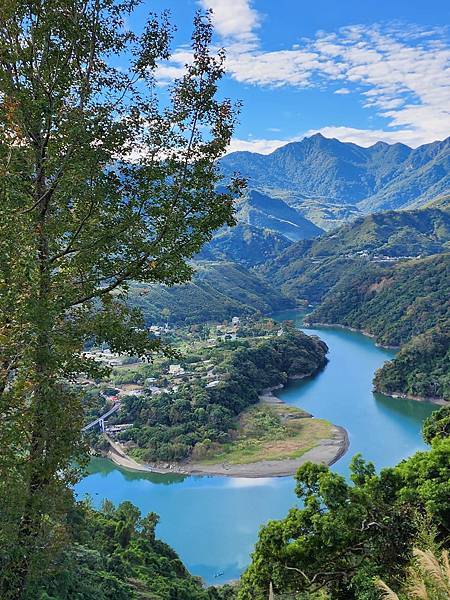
x=359 y=71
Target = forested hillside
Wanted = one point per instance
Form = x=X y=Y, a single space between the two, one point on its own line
x=309 y=269
x=393 y=303
x=328 y=171
x=265 y=227
x=245 y=244
x=407 y=305
x=421 y=368
x=218 y=291
x=265 y=212
x=114 y=555
x=387 y=274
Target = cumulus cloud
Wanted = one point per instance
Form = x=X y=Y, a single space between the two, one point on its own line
x=235 y=21
x=406 y=77
x=402 y=72
x=261 y=146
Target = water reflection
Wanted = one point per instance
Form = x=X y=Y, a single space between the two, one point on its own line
x=213 y=522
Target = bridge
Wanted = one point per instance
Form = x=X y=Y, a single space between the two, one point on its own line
x=101 y=420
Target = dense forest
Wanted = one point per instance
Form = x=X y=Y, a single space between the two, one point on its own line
x=392 y=304
x=196 y=418
x=407 y=306
x=114 y=555
x=218 y=291
x=310 y=268
x=421 y=368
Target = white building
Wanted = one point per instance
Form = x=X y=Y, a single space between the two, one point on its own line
x=176 y=370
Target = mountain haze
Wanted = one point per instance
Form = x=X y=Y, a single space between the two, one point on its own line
x=265 y=212
x=327 y=171
x=265 y=227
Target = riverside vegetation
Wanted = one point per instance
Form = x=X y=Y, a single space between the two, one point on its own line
x=208 y=410
x=80 y=222
x=348 y=537
x=388 y=275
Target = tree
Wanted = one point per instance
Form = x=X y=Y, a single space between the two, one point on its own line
x=342 y=537
x=437 y=425
x=100 y=184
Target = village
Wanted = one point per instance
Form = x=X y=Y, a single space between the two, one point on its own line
x=130 y=376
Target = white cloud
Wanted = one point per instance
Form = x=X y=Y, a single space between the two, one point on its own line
x=234 y=20
x=404 y=74
x=368 y=137
x=402 y=71
x=261 y=146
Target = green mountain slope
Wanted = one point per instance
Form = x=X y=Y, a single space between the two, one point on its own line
x=245 y=244
x=114 y=554
x=421 y=368
x=359 y=277
x=265 y=212
x=377 y=178
x=309 y=269
x=406 y=305
x=392 y=303
x=217 y=292
x=265 y=227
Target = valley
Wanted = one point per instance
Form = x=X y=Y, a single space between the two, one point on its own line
x=214 y=412
x=224 y=300
x=226 y=512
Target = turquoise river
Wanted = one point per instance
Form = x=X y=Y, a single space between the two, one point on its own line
x=213 y=522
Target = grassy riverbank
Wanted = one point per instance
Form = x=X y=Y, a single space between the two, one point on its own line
x=271 y=432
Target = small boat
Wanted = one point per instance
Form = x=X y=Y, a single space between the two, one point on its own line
x=219 y=574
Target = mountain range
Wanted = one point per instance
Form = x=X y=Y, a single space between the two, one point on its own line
x=265 y=227
x=308 y=269
x=330 y=181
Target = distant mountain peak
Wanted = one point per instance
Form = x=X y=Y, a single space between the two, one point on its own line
x=379 y=177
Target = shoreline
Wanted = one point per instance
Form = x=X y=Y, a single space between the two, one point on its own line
x=313 y=324
x=438 y=401
x=328 y=451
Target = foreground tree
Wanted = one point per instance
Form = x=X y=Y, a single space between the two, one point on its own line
x=347 y=536
x=98 y=185
x=437 y=425
x=343 y=536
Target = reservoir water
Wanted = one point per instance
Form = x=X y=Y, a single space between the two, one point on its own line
x=213 y=522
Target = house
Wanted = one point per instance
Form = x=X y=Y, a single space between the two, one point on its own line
x=212 y=384
x=176 y=370
x=118 y=428
x=235 y=321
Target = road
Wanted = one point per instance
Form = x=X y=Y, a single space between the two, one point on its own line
x=112 y=410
